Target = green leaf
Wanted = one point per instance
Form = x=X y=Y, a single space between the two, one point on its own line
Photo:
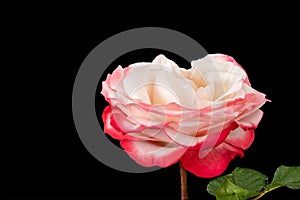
x=249 y=179
x=216 y=183
x=229 y=191
x=286 y=176
x=245 y=183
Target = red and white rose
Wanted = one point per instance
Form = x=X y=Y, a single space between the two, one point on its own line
x=203 y=117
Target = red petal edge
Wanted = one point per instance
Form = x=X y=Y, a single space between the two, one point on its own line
x=151 y=153
x=214 y=163
x=110 y=126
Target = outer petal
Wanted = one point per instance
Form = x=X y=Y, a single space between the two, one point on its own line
x=251 y=120
x=115 y=77
x=241 y=138
x=213 y=164
x=123 y=122
x=213 y=139
x=151 y=153
x=110 y=126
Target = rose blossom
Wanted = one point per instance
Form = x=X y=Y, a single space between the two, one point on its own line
x=202 y=117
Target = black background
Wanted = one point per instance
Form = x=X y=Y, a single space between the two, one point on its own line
x=42 y=155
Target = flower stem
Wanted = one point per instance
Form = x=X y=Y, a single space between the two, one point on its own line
x=183 y=180
x=265 y=192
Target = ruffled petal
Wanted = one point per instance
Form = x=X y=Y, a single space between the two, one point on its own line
x=215 y=63
x=214 y=163
x=241 y=138
x=251 y=120
x=158 y=84
x=110 y=126
x=151 y=153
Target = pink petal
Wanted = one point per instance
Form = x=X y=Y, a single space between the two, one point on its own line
x=181 y=138
x=110 y=126
x=123 y=122
x=117 y=125
x=151 y=153
x=214 y=139
x=115 y=77
x=241 y=138
x=251 y=120
x=213 y=164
